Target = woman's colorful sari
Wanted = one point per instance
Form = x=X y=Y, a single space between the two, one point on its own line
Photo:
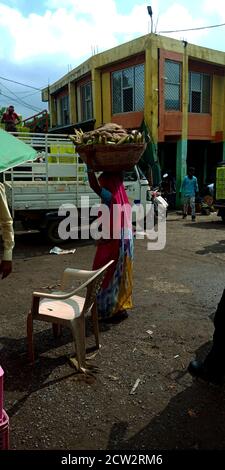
x=116 y=291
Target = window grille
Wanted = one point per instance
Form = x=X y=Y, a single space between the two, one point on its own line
x=86 y=102
x=128 y=90
x=172 y=89
x=64 y=110
x=199 y=92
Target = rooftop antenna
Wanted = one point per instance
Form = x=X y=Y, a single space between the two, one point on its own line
x=156 y=25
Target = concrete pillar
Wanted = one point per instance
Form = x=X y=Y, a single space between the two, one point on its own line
x=151 y=88
x=72 y=103
x=181 y=167
x=52 y=111
x=97 y=96
x=162 y=158
x=205 y=165
x=181 y=156
x=223 y=153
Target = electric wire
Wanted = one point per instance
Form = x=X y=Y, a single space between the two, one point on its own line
x=16 y=101
x=191 y=29
x=19 y=83
x=19 y=100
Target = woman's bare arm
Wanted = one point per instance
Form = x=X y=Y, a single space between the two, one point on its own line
x=94 y=184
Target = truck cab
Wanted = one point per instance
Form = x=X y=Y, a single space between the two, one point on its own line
x=137 y=186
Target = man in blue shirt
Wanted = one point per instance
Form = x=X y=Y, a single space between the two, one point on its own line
x=189 y=188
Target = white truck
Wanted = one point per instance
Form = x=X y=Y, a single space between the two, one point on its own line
x=36 y=190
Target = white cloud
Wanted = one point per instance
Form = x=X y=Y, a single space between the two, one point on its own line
x=215 y=7
x=66 y=32
x=69 y=33
x=178 y=17
x=35 y=48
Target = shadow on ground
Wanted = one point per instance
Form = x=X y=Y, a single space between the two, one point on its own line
x=20 y=376
x=26 y=245
x=205 y=224
x=218 y=247
x=193 y=419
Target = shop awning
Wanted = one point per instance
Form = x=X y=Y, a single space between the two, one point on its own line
x=13 y=152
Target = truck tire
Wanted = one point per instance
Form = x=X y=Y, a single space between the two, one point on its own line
x=221 y=213
x=51 y=232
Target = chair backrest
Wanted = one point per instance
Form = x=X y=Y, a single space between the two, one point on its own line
x=94 y=286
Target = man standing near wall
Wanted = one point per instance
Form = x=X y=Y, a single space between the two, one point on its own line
x=10 y=118
x=189 y=189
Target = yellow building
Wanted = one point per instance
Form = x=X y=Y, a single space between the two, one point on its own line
x=177 y=88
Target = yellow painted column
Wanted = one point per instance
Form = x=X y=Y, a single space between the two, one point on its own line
x=52 y=111
x=97 y=96
x=72 y=102
x=181 y=156
x=151 y=87
x=106 y=97
x=223 y=151
x=148 y=111
x=185 y=95
x=151 y=102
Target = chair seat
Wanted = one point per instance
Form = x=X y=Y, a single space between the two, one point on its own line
x=67 y=309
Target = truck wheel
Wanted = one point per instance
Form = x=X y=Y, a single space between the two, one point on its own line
x=223 y=218
x=51 y=232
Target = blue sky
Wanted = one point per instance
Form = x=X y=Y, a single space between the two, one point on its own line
x=40 y=40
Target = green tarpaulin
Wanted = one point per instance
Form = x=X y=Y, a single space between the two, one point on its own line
x=13 y=152
x=150 y=157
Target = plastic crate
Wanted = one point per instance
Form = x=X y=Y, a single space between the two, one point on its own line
x=4 y=432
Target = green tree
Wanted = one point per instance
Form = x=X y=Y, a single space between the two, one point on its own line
x=2 y=110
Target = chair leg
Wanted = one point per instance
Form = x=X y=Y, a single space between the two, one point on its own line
x=94 y=316
x=57 y=330
x=30 y=337
x=78 y=331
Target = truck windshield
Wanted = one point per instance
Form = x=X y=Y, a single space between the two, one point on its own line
x=141 y=174
x=130 y=175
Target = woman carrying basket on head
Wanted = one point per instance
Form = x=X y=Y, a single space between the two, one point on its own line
x=115 y=296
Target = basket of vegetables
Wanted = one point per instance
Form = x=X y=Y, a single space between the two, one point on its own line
x=109 y=148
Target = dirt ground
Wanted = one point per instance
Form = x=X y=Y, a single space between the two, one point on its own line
x=176 y=291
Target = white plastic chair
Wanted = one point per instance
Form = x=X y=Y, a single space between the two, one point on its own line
x=68 y=308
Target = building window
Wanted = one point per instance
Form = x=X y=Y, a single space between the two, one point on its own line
x=128 y=90
x=64 y=110
x=86 y=102
x=199 y=92
x=172 y=88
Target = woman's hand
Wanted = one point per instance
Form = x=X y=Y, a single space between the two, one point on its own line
x=93 y=181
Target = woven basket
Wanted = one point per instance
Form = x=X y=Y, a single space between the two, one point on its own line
x=111 y=157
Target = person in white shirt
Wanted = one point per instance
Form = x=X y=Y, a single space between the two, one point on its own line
x=6 y=225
